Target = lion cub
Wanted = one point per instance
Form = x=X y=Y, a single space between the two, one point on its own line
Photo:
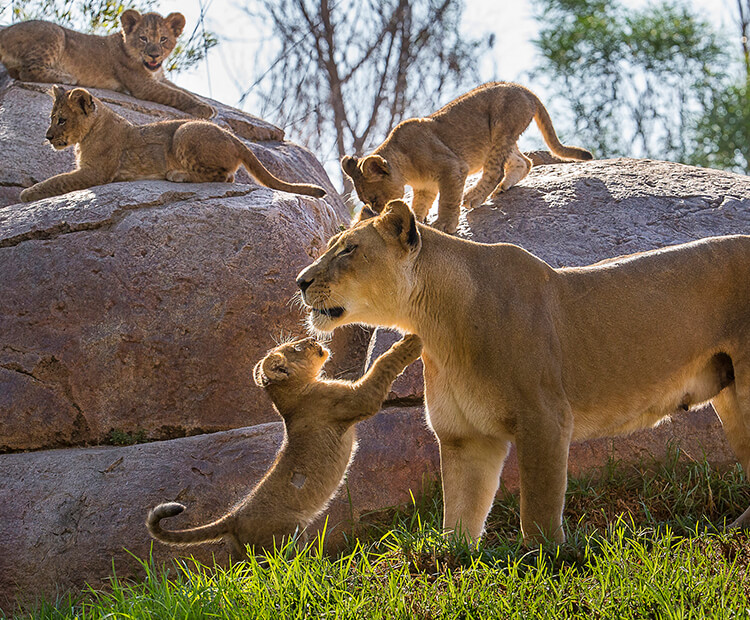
x=110 y=148
x=477 y=131
x=128 y=61
x=319 y=417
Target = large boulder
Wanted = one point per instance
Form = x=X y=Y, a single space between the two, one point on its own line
x=68 y=515
x=138 y=309
x=580 y=213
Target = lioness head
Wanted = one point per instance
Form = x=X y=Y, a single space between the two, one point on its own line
x=366 y=273
x=376 y=181
x=150 y=37
x=72 y=115
x=301 y=360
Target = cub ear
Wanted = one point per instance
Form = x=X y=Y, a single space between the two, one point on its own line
x=129 y=20
x=83 y=99
x=56 y=92
x=375 y=167
x=274 y=367
x=175 y=22
x=349 y=165
x=398 y=220
x=365 y=213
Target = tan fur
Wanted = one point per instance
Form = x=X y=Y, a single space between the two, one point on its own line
x=516 y=351
x=129 y=61
x=477 y=131
x=319 y=417
x=110 y=148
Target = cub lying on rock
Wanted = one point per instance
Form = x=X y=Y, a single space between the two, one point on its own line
x=110 y=148
x=477 y=131
x=129 y=61
x=319 y=417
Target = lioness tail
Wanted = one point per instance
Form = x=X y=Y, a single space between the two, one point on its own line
x=260 y=172
x=204 y=533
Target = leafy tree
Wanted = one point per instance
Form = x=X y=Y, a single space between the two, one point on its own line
x=346 y=72
x=103 y=17
x=635 y=79
x=723 y=132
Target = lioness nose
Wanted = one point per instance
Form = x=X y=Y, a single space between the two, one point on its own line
x=49 y=135
x=303 y=284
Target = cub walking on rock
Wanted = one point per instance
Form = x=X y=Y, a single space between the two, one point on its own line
x=128 y=61
x=110 y=148
x=319 y=418
x=477 y=131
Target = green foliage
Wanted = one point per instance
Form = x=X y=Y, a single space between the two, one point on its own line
x=635 y=79
x=643 y=545
x=103 y=17
x=118 y=437
x=723 y=133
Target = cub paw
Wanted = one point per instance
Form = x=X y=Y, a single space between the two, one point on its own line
x=446 y=225
x=413 y=345
x=203 y=110
x=29 y=195
x=177 y=176
x=472 y=200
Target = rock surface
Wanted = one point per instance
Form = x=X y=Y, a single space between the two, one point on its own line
x=142 y=307
x=67 y=514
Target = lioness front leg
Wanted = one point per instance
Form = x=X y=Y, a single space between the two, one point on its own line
x=62 y=184
x=732 y=405
x=543 y=467
x=470 y=470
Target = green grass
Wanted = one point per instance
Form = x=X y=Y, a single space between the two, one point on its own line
x=643 y=542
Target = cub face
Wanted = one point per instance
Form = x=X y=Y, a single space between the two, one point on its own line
x=376 y=181
x=150 y=37
x=364 y=276
x=71 y=118
x=301 y=360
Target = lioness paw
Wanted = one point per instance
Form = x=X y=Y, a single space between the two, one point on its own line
x=29 y=195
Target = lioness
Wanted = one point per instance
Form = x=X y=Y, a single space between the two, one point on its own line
x=129 y=61
x=516 y=351
x=110 y=148
x=319 y=420
x=477 y=131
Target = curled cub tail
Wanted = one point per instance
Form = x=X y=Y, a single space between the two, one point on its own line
x=204 y=533
x=260 y=172
x=544 y=122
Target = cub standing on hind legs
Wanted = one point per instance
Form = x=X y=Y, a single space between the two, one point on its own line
x=128 y=61
x=319 y=417
x=110 y=148
x=477 y=131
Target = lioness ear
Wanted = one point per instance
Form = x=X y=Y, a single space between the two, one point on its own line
x=274 y=367
x=83 y=99
x=175 y=22
x=57 y=91
x=349 y=165
x=129 y=20
x=375 y=167
x=398 y=219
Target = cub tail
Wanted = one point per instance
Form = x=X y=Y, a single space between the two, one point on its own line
x=204 y=533
x=260 y=172
x=544 y=122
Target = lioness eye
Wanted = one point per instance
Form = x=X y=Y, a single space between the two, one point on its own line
x=60 y=121
x=347 y=250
